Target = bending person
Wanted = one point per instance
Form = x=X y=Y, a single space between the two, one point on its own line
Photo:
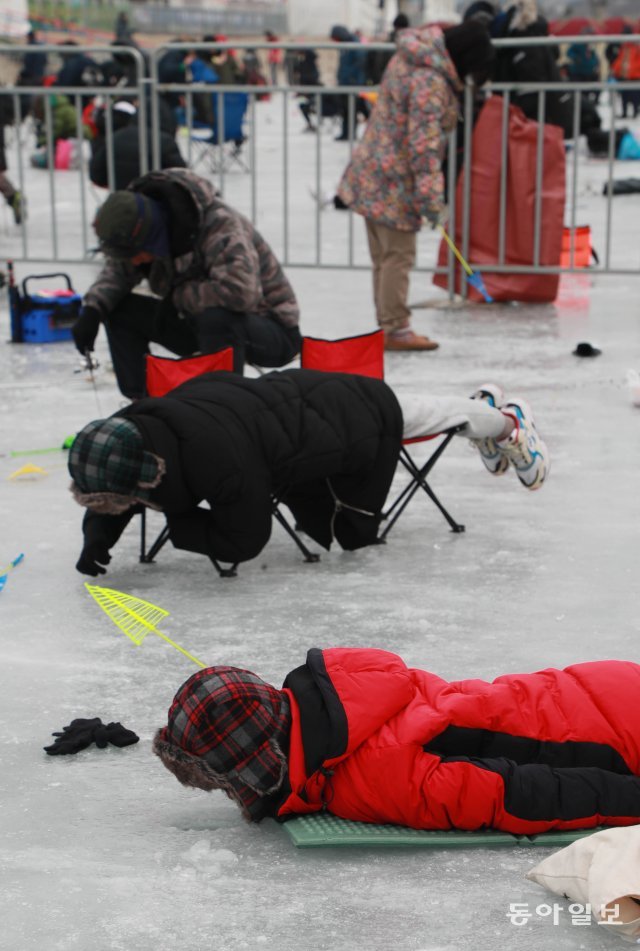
x=325 y=444
x=217 y=282
x=356 y=733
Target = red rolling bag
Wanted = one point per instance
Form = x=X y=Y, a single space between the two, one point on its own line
x=522 y=149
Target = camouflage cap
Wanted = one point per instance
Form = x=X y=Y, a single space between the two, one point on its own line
x=123 y=223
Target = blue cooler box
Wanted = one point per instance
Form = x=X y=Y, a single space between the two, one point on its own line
x=44 y=316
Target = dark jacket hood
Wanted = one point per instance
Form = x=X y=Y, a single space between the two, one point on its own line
x=186 y=197
x=342 y=35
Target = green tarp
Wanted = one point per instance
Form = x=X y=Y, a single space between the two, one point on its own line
x=318 y=830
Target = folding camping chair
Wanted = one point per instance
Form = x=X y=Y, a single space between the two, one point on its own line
x=163 y=375
x=364 y=355
x=220 y=151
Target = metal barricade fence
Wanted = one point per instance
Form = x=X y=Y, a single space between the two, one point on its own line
x=291 y=216
x=57 y=239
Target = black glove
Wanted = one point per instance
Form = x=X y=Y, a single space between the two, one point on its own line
x=73 y=738
x=82 y=733
x=434 y=217
x=85 y=329
x=92 y=557
x=118 y=735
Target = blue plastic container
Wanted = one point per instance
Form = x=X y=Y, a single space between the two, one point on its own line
x=46 y=316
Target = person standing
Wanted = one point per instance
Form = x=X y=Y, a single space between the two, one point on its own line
x=583 y=65
x=395 y=177
x=378 y=60
x=34 y=65
x=274 y=57
x=216 y=281
x=13 y=197
x=351 y=72
x=531 y=63
x=122 y=29
x=624 y=62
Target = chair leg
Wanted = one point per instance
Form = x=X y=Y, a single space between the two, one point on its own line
x=143 y=535
x=146 y=557
x=229 y=572
x=419 y=481
x=162 y=539
x=309 y=556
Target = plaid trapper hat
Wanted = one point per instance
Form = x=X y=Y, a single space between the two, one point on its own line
x=227 y=729
x=110 y=467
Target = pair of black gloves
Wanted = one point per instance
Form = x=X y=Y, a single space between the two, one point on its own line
x=81 y=733
x=85 y=329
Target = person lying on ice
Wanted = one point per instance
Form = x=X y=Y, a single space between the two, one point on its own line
x=326 y=444
x=357 y=733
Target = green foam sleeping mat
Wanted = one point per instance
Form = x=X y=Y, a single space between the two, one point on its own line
x=321 y=829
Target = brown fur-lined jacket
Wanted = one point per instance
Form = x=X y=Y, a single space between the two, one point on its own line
x=218 y=257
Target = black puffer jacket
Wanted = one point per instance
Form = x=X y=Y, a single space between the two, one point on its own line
x=126 y=154
x=532 y=64
x=232 y=442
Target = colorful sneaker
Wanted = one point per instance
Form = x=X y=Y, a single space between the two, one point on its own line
x=495 y=460
x=523 y=447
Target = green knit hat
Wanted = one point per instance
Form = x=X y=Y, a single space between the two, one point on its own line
x=123 y=223
x=110 y=467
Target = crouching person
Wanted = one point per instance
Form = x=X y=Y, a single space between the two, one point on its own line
x=324 y=444
x=216 y=281
x=357 y=733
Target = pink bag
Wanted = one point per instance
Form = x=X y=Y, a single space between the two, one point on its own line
x=67 y=154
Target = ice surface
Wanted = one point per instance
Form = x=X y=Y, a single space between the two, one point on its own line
x=105 y=850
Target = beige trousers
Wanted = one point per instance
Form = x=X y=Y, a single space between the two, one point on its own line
x=393 y=254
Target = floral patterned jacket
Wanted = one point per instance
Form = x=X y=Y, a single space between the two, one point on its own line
x=395 y=175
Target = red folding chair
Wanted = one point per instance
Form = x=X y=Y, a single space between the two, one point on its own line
x=164 y=374
x=364 y=355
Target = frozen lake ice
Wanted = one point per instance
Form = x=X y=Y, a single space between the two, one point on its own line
x=104 y=850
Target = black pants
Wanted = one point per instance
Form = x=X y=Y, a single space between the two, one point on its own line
x=329 y=107
x=630 y=101
x=360 y=108
x=138 y=321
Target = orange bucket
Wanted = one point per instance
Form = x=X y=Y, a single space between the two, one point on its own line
x=582 y=250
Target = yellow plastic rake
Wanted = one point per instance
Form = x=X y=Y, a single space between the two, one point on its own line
x=134 y=617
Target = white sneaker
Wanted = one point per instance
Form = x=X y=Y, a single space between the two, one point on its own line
x=523 y=448
x=495 y=460
x=323 y=197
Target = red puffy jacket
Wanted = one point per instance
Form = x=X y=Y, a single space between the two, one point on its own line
x=376 y=741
